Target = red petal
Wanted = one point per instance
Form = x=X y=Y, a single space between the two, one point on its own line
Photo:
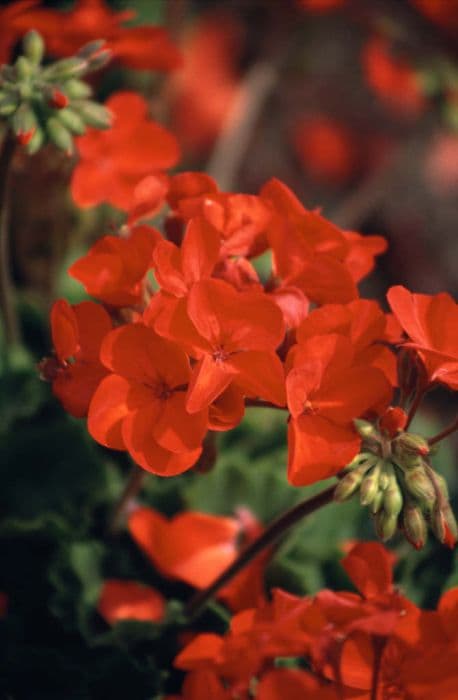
x=129 y=600
x=178 y=430
x=260 y=375
x=369 y=566
x=209 y=379
x=64 y=329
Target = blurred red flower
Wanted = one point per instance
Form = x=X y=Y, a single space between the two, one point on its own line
x=113 y=162
x=129 y=600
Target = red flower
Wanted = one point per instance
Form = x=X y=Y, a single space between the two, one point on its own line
x=443 y=12
x=196 y=547
x=129 y=600
x=327 y=388
x=115 y=267
x=204 y=91
x=360 y=258
x=326 y=149
x=233 y=335
x=308 y=251
x=140 y=407
x=77 y=333
x=431 y=322
x=113 y=162
x=145 y=47
x=392 y=78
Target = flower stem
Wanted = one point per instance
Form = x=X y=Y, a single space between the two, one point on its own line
x=414 y=407
x=271 y=533
x=7 y=307
x=131 y=489
x=448 y=431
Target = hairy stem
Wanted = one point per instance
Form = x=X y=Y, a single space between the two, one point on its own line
x=440 y=436
x=414 y=407
x=131 y=489
x=7 y=307
x=271 y=533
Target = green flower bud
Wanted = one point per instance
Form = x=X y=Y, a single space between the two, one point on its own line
x=77 y=89
x=349 y=484
x=66 y=68
x=92 y=47
x=93 y=114
x=392 y=497
x=420 y=486
x=36 y=141
x=100 y=60
x=24 y=68
x=377 y=502
x=370 y=486
x=34 y=47
x=59 y=135
x=24 y=120
x=8 y=103
x=414 y=525
x=444 y=525
x=409 y=444
x=364 y=428
x=71 y=120
x=385 y=525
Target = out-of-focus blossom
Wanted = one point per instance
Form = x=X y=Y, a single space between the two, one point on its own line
x=114 y=162
x=442 y=12
x=326 y=149
x=203 y=92
x=129 y=600
x=441 y=164
x=392 y=78
x=145 y=47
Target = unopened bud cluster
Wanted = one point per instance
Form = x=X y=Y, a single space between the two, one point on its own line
x=51 y=103
x=395 y=480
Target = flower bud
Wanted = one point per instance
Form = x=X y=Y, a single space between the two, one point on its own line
x=8 y=103
x=409 y=444
x=36 y=141
x=444 y=526
x=58 y=100
x=364 y=428
x=385 y=525
x=377 y=502
x=414 y=526
x=71 y=120
x=34 y=47
x=392 y=497
x=59 y=135
x=24 y=124
x=23 y=68
x=91 y=48
x=77 y=89
x=393 y=421
x=93 y=114
x=420 y=486
x=73 y=67
x=99 y=60
x=370 y=486
x=349 y=484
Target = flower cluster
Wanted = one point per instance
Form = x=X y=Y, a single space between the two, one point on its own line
x=182 y=353
x=371 y=643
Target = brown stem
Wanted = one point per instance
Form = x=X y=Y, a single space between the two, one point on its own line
x=7 y=307
x=440 y=436
x=271 y=533
x=131 y=489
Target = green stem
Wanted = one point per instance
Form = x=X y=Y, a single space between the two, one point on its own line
x=271 y=533
x=7 y=307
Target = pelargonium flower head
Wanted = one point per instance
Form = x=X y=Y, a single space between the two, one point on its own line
x=113 y=163
x=140 y=406
x=77 y=333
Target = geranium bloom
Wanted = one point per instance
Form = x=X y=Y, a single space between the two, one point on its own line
x=308 y=251
x=203 y=92
x=114 y=269
x=140 y=407
x=327 y=388
x=443 y=12
x=326 y=149
x=234 y=336
x=363 y=322
x=77 y=333
x=196 y=547
x=145 y=47
x=431 y=322
x=113 y=162
x=392 y=78
x=129 y=600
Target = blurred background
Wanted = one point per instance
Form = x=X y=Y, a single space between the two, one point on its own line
x=354 y=105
